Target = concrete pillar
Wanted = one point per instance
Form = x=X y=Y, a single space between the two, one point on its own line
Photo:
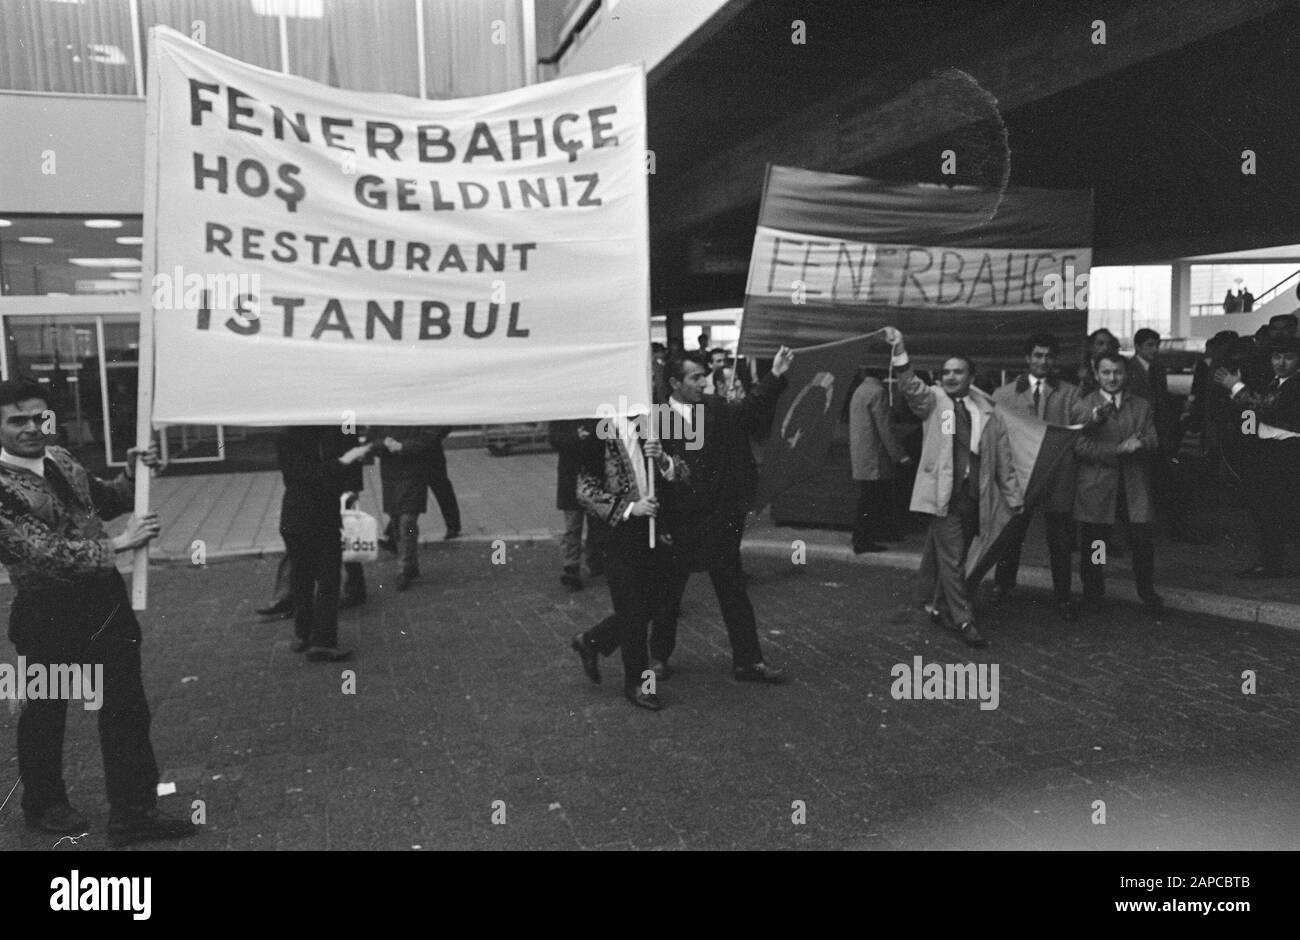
x=1180 y=299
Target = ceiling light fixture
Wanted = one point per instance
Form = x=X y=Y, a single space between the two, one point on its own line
x=105 y=262
x=103 y=223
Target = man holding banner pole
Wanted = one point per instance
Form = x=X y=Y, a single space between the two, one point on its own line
x=960 y=425
x=620 y=492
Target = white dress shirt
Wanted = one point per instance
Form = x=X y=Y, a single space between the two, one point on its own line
x=35 y=464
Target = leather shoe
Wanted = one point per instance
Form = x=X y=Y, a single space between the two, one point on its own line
x=936 y=618
x=571 y=581
x=760 y=672
x=405 y=578
x=59 y=819
x=389 y=545
x=327 y=654
x=300 y=646
x=970 y=636
x=348 y=601
x=660 y=669
x=1067 y=611
x=148 y=827
x=590 y=658
x=281 y=609
x=648 y=700
x=1258 y=573
x=451 y=534
x=999 y=594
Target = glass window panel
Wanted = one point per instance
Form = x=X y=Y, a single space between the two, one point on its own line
x=235 y=27
x=47 y=267
x=70 y=46
x=340 y=49
x=473 y=47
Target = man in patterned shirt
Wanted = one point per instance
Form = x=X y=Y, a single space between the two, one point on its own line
x=72 y=607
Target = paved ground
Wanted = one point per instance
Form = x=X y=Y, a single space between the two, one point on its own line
x=467 y=694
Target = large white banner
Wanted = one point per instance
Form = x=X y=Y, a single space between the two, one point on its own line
x=321 y=255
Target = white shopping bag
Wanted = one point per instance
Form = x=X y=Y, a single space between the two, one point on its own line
x=360 y=531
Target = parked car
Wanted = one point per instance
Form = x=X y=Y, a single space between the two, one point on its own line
x=501 y=439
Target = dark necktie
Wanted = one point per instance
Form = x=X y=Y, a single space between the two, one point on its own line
x=1038 y=399
x=961 y=455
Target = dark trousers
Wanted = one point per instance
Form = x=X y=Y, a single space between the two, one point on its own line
x=314 y=559
x=572 y=542
x=1060 y=528
x=90 y=623
x=1142 y=545
x=1173 y=492
x=733 y=599
x=445 y=494
x=638 y=582
x=405 y=528
x=1271 y=493
x=875 y=519
x=354 y=580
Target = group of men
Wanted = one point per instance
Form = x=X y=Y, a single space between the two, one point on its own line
x=71 y=604
x=1122 y=467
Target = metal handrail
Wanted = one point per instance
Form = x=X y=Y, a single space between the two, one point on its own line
x=1260 y=298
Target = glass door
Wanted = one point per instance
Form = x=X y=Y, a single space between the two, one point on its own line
x=182 y=443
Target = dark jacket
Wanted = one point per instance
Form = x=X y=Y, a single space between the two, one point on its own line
x=707 y=518
x=1280 y=409
x=313 y=477
x=406 y=475
x=437 y=456
x=574 y=454
x=1152 y=383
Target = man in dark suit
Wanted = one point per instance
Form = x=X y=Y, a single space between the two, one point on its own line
x=1114 y=480
x=319 y=465
x=1270 y=426
x=1040 y=395
x=440 y=484
x=576 y=443
x=1147 y=377
x=1209 y=404
x=72 y=610
x=712 y=502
